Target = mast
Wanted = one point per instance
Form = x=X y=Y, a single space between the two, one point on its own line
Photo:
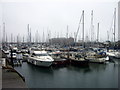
x=23 y=39
x=91 y=27
x=114 y=25
x=6 y=39
x=11 y=38
x=43 y=36
x=28 y=33
x=17 y=39
x=76 y=33
x=3 y=32
x=67 y=32
x=83 y=30
x=36 y=37
x=48 y=36
x=14 y=39
x=108 y=35
x=49 y=40
x=98 y=33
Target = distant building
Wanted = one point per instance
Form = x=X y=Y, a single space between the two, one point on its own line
x=119 y=20
x=62 y=41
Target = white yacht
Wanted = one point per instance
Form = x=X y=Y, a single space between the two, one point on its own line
x=40 y=58
x=113 y=54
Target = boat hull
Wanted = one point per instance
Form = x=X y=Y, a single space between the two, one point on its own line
x=79 y=63
x=76 y=62
x=96 y=60
x=40 y=63
x=60 y=62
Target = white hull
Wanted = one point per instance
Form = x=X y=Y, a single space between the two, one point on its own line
x=113 y=55
x=98 y=60
x=95 y=60
x=40 y=63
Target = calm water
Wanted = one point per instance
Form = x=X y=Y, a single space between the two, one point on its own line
x=94 y=76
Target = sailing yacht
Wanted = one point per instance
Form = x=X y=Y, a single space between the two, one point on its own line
x=96 y=57
x=113 y=53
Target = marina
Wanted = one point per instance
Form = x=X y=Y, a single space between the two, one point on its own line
x=67 y=72
x=59 y=44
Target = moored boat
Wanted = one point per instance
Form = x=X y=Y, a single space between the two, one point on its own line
x=113 y=54
x=76 y=58
x=94 y=57
x=40 y=58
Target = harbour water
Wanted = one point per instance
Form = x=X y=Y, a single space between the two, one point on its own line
x=93 y=76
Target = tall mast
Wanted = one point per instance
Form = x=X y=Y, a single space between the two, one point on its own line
x=23 y=39
x=11 y=38
x=83 y=30
x=17 y=39
x=43 y=36
x=76 y=33
x=67 y=32
x=98 y=33
x=92 y=26
x=6 y=38
x=3 y=32
x=36 y=36
x=108 y=35
x=114 y=24
x=14 y=39
x=28 y=33
x=48 y=36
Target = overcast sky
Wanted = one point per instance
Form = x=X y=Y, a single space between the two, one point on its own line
x=54 y=16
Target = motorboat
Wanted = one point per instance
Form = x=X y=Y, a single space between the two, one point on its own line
x=40 y=58
x=113 y=54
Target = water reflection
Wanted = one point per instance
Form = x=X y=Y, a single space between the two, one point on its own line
x=92 y=76
x=97 y=67
x=79 y=69
x=40 y=69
